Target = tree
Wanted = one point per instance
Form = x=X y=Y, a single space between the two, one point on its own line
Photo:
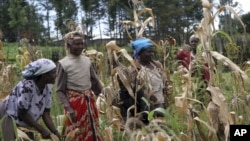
x=226 y=20
x=65 y=9
x=116 y=12
x=8 y=33
x=246 y=20
x=178 y=17
x=93 y=12
x=47 y=6
x=34 y=29
x=17 y=15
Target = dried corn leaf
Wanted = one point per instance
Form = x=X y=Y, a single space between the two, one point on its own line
x=226 y=61
x=108 y=134
x=232 y=117
x=125 y=81
x=22 y=135
x=211 y=129
x=206 y=4
x=117 y=111
x=217 y=96
x=101 y=104
x=231 y=9
x=71 y=134
x=143 y=26
x=54 y=137
x=239 y=120
x=219 y=99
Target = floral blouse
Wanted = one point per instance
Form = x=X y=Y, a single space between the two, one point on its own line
x=26 y=97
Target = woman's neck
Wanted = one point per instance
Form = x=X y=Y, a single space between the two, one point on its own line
x=40 y=85
x=146 y=64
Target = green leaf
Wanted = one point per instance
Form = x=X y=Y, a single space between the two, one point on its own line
x=151 y=113
x=146 y=101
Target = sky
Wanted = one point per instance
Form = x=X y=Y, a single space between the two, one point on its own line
x=245 y=5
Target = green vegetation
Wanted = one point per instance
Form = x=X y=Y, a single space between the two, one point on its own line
x=187 y=117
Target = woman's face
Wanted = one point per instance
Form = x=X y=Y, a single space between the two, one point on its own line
x=147 y=54
x=194 y=42
x=50 y=76
x=76 y=47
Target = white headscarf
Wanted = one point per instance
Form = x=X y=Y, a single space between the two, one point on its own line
x=38 y=67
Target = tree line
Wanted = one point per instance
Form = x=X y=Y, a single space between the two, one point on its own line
x=32 y=19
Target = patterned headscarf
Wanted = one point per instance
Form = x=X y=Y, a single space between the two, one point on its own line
x=72 y=36
x=139 y=44
x=38 y=67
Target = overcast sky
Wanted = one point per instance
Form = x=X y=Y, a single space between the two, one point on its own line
x=244 y=5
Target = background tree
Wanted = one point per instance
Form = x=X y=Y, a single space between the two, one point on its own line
x=18 y=15
x=117 y=11
x=8 y=32
x=93 y=11
x=34 y=30
x=246 y=20
x=65 y=9
x=226 y=18
x=47 y=6
x=175 y=17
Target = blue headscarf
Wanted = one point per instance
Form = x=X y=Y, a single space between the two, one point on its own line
x=139 y=44
x=38 y=67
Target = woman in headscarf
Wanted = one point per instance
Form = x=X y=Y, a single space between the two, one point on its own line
x=77 y=85
x=149 y=74
x=30 y=100
x=191 y=59
x=150 y=71
x=187 y=55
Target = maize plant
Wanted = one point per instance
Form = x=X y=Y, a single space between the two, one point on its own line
x=27 y=54
x=1 y=50
x=7 y=78
x=202 y=120
x=217 y=112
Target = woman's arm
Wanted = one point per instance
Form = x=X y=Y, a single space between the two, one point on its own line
x=96 y=85
x=49 y=123
x=61 y=86
x=28 y=120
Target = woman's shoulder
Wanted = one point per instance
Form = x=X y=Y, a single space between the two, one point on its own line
x=25 y=82
x=157 y=63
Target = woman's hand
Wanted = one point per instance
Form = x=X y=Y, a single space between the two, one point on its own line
x=71 y=114
x=56 y=133
x=45 y=134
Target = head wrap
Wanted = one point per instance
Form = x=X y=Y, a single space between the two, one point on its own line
x=38 y=67
x=139 y=44
x=192 y=37
x=69 y=37
x=73 y=35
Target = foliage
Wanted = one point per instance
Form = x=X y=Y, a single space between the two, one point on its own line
x=246 y=18
x=65 y=9
x=17 y=13
x=182 y=18
x=187 y=118
x=179 y=20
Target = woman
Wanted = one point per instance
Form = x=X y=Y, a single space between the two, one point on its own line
x=187 y=56
x=77 y=85
x=30 y=100
x=151 y=72
x=149 y=75
x=191 y=59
